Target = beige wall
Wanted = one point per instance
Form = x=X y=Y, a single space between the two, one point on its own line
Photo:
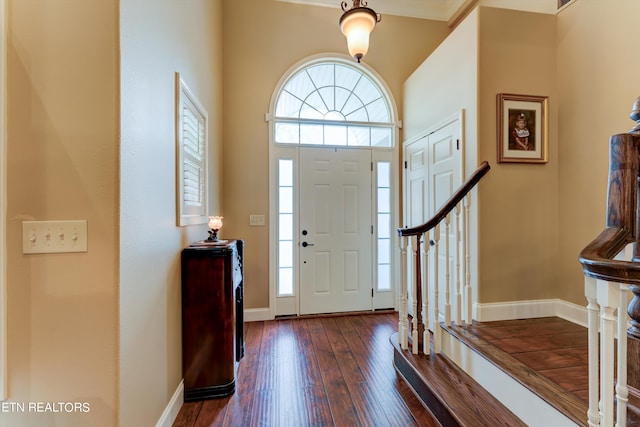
x=519 y=209
x=540 y=6
x=534 y=219
x=103 y=327
x=493 y=51
x=597 y=84
x=63 y=164
x=158 y=38
x=262 y=39
x=445 y=84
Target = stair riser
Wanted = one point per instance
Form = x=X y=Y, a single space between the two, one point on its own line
x=422 y=391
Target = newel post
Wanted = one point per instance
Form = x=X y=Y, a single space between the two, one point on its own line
x=633 y=308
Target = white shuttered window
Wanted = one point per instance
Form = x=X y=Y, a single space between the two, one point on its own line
x=191 y=138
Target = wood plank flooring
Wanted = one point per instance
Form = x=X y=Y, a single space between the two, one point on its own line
x=338 y=371
x=536 y=352
x=319 y=371
x=553 y=347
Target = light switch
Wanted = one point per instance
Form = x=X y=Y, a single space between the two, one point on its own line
x=256 y=220
x=41 y=237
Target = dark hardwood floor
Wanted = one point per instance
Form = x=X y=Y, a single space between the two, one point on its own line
x=554 y=348
x=318 y=371
x=547 y=355
x=338 y=371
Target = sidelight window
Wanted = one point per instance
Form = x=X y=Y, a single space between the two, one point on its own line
x=383 y=213
x=285 y=227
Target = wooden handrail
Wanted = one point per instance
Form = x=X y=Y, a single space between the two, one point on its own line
x=597 y=258
x=449 y=204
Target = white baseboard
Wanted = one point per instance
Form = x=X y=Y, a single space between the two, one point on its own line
x=530 y=309
x=257 y=314
x=173 y=407
x=572 y=312
x=489 y=312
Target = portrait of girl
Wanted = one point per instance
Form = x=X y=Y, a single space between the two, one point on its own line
x=522 y=128
x=522 y=136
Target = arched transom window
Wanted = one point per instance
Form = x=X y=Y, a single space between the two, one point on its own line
x=335 y=104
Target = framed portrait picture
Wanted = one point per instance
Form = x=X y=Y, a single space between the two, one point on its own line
x=522 y=128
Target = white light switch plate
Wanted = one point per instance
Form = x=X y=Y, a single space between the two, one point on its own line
x=42 y=237
x=256 y=220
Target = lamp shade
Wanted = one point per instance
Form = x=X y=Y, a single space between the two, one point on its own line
x=356 y=24
x=215 y=222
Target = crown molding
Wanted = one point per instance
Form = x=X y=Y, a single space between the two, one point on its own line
x=439 y=10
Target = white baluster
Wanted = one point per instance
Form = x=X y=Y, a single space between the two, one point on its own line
x=414 y=287
x=447 y=272
x=425 y=293
x=622 y=390
x=436 y=285
x=593 y=414
x=402 y=315
x=608 y=300
x=467 y=259
x=410 y=278
x=458 y=302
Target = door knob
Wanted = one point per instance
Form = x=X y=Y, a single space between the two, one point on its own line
x=305 y=244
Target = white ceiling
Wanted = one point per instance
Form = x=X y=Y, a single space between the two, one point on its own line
x=441 y=10
x=428 y=9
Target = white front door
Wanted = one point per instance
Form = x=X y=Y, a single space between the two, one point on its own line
x=335 y=230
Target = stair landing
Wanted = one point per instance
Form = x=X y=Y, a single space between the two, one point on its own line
x=535 y=368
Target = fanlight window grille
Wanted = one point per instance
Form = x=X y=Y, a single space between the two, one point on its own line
x=332 y=104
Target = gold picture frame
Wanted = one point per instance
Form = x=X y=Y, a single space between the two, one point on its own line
x=522 y=128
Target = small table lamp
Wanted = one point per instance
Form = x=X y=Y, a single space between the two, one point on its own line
x=215 y=224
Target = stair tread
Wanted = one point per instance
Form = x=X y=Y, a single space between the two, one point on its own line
x=550 y=392
x=454 y=397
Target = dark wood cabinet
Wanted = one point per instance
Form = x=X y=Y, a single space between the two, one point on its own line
x=212 y=318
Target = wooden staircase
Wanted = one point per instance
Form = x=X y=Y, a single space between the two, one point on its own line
x=481 y=379
x=453 y=374
x=448 y=392
x=528 y=372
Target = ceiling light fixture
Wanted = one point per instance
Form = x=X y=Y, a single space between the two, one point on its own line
x=356 y=24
